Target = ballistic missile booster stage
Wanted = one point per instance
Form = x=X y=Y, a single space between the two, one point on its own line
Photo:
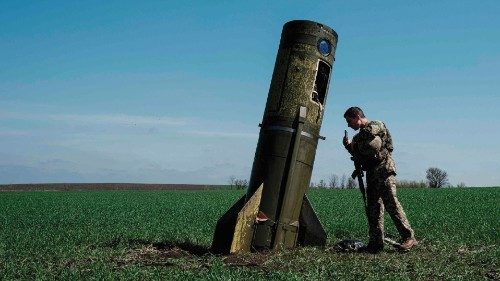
x=275 y=212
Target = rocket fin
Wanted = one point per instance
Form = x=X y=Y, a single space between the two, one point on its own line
x=243 y=232
x=224 y=230
x=311 y=232
x=233 y=226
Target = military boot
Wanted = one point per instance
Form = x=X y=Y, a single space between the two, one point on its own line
x=407 y=244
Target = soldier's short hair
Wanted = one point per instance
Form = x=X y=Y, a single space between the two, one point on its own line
x=354 y=111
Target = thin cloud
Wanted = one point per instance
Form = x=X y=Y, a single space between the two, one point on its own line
x=214 y=134
x=15 y=133
x=114 y=119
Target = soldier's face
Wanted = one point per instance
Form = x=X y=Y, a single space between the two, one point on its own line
x=353 y=123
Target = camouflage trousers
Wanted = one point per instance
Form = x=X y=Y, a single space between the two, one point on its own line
x=380 y=193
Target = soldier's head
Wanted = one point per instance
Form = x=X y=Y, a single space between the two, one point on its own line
x=355 y=117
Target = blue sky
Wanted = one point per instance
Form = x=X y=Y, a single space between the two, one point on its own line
x=173 y=91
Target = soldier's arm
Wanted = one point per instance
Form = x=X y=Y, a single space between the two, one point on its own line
x=368 y=142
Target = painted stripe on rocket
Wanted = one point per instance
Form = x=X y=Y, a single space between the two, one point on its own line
x=288 y=129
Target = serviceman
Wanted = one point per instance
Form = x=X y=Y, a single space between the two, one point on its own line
x=372 y=147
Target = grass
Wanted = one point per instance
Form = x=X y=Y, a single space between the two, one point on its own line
x=166 y=234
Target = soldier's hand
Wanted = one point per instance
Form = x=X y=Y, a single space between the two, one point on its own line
x=346 y=141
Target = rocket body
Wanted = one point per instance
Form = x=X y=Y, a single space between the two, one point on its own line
x=285 y=153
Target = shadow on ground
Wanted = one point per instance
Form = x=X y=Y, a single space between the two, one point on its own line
x=187 y=255
x=184 y=254
x=167 y=253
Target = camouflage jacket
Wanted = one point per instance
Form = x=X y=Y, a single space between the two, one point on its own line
x=372 y=146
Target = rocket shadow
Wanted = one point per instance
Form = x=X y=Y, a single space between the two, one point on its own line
x=188 y=247
x=169 y=248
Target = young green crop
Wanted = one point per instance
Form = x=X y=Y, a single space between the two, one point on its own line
x=126 y=235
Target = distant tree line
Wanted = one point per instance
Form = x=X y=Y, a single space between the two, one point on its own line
x=334 y=181
x=236 y=183
x=434 y=178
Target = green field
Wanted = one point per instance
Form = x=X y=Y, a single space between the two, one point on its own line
x=166 y=234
